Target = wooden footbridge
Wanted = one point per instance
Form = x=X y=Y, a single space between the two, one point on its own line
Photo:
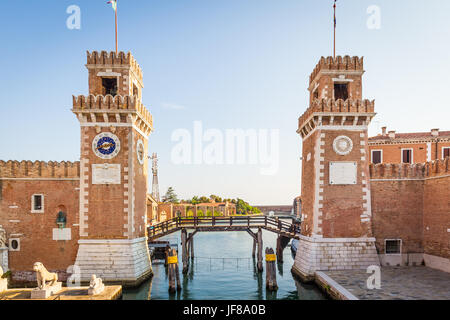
x=286 y=231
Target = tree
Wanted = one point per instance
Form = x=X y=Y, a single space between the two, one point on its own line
x=170 y=196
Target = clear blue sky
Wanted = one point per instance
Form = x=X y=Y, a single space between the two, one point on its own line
x=230 y=64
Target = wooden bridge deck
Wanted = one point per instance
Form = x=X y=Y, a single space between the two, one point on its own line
x=220 y=224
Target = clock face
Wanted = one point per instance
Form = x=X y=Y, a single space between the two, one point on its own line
x=140 y=151
x=106 y=145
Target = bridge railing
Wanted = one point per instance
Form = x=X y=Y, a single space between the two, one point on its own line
x=175 y=224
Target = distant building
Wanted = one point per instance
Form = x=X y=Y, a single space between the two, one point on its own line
x=419 y=147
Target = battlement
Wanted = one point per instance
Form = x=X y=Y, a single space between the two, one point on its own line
x=101 y=107
x=339 y=63
x=39 y=169
x=111 y=59
x=409 y=171
x=363 y=107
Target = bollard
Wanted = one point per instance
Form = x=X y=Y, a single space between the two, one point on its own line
x=271 y=274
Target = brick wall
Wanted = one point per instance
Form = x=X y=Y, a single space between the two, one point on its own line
x=411 y=202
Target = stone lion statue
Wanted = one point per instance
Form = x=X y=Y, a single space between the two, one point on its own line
x=42 y=276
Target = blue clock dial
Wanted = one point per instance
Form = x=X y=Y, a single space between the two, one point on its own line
x=106 y=145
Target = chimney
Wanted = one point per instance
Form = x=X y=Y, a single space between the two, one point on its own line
x=383 y=131
x=392 y=134
x=435 y=132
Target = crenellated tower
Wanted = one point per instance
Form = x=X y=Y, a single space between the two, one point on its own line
x=115 y=127
x=336 y=201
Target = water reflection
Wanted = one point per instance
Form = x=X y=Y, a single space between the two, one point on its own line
x=224 y=269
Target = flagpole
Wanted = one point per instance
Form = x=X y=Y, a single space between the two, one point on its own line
x=117 y=46
x=334 y=43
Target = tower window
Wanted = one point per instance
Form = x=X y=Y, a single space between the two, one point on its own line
x=37 y=203
x=445 y=153
x=407 y=156
x=135 y=91
x=340 y=91
x=316 y=94
x=109 y=86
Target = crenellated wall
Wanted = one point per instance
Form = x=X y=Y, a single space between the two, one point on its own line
x=339 y=63
x=105 y=58
x=411 y=202
x=39 y=169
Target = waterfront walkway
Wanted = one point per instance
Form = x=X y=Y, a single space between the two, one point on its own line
x=397 y=283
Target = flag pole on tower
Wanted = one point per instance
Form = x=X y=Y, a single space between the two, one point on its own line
x=334 y=45
x=114 y=6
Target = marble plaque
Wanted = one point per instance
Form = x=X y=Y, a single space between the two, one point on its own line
x=106 y=173
x=343 y=173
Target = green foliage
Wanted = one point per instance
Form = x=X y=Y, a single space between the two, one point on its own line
x=170 y=196
x=7 y=274
x=200 y=213
x=208 y=213
x=190 y=213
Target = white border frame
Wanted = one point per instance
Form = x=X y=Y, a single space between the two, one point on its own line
x=42 y=202
x=371 y=155
x=443 y=148
x=412 y=155
x=393 y=254
x=10 y=248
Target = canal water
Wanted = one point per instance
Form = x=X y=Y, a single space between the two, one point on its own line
x=224 y=269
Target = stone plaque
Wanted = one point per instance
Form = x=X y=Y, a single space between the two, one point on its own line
x=106 y=173
x=343 y=173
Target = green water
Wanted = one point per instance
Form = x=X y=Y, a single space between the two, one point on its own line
x=225 y=270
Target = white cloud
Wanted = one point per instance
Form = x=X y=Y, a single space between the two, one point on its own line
x=172 y=106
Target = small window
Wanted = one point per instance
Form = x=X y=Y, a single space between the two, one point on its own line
x=393 y=246
x=37 y=203
x=377 y=156
x=135 y=91
x=407 y=156
x=445 y=153
x=109 y=86
x=14 y=244
x=316 y=94
x=340 y=91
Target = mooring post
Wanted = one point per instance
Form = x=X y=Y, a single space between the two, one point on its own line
x=174 y=275
x=260 y=244
x=254 y=248
x=184 y=251
x=191 y=245
x=271 y=275
x=279 y=249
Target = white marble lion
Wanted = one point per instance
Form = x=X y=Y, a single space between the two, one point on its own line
x=42 y=276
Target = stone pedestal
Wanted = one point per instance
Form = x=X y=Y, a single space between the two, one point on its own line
x=115 y=261
x=97 y=290
x=3 y=285
x=324 y=254
x=47 y=292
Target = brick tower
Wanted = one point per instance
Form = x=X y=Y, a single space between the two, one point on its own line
x=336 y=203
x=113 y=171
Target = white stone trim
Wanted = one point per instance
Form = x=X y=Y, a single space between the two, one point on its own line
x=127 y=125
x=336 y=286
x=84 y=196
x=10 y=244
x=437 y=262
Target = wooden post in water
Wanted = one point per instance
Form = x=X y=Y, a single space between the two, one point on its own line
x=279 y=249
x=174 y=274
x=184 y=257
x=191 y=246
x=271 y=274
x=260 y=245
x=254 y=248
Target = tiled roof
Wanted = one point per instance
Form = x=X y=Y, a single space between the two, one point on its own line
x=412 y=136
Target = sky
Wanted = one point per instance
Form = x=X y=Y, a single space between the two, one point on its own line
x=226 y=65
